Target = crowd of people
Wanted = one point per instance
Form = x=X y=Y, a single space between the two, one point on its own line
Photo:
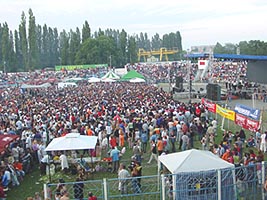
x=141 y=117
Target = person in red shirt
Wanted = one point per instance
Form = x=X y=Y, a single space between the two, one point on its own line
x=113 y=141
x=91 y=196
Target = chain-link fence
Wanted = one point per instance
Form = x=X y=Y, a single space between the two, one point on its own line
x=241 y=182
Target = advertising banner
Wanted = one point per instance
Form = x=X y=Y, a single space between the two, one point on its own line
x=246 y=123
x=75 y=67
x=224 y=112
x=209 y=105
x=252 y=125
x=247 y=111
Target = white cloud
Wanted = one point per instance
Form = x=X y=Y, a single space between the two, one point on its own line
x=199 y=22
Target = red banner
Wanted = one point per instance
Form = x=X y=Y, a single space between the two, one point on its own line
x=209 y=105
x=252 y=125
x=246 y=123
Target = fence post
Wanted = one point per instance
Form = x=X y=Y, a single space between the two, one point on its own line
x=105 y=189
x=45 y=191
x=262 y=179
x=234 y=182
x=219 y=184
x=163 y=186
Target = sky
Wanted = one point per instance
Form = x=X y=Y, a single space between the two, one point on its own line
x=200 y=22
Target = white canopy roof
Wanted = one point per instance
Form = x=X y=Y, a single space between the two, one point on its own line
x=72 y=141
x=108 y=80
x=111 y=75
x=193 y=161
x=44 y=85
x=94 y=80
x=137 y=80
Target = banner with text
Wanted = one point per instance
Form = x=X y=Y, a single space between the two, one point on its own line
x=224 y=112
x=75 y=67
x=209 y=105
x=247 y=123
x=247 y=111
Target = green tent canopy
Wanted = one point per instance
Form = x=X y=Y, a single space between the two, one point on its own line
x=132 y=74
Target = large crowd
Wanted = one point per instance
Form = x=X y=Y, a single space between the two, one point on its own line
x=141 y=117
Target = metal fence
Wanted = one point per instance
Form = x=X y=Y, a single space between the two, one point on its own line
x=239 y=183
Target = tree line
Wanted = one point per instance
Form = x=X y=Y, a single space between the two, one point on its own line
x=33 y=46
x=252 y=47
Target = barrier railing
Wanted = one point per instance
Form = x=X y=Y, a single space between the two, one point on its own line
x=241 y=182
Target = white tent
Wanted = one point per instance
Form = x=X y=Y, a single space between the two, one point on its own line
x=193 y=161
x=111 y=75
x=108 y=80
x=189 y=169
x=94 y=80
x=26 y=86
x=72 y=141
x=137 y=80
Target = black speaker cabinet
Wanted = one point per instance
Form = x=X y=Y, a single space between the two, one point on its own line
x=213 y=92
x=179 y=82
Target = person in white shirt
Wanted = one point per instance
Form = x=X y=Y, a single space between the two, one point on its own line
x=28 y=142
x=64 y=162
x=123 y=175
x=263 y=142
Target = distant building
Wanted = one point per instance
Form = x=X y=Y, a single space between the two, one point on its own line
x=202 y=49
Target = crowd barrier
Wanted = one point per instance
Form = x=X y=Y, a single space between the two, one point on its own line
x=241 y=182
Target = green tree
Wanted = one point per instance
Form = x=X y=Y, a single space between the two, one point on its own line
x=39 y=43
x=155 y=42
x=1 y=33
x=178 y=40
x=75 y=42
x=18 y=53
x=11 y=54
x=219 y=49
x=96 y=50
x=123 y=47
x=33 y=49
x=55 y=48
x=5 y=48
x=86 y=31
x=64 y=48
x=45 y=47
x=23 y=41
x=132 y=51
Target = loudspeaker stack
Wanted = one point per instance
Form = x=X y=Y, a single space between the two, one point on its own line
x=213 y=92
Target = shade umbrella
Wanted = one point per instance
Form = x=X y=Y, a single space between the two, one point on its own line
x=72 y=141
x=5 y=140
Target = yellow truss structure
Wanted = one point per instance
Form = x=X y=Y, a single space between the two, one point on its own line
x=161 y=52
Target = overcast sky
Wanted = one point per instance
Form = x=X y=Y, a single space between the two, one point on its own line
x=200 y=22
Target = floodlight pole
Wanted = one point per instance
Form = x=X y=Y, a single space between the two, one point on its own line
x=4 y=66
x=110 y=61
x=190 y=74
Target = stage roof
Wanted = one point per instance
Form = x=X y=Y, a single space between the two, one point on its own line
x=228 y=56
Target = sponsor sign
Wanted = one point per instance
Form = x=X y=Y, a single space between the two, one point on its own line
x=74 y=67
x=247 y=111
x=209 y=105
x=247 y=123
x=228 y=114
